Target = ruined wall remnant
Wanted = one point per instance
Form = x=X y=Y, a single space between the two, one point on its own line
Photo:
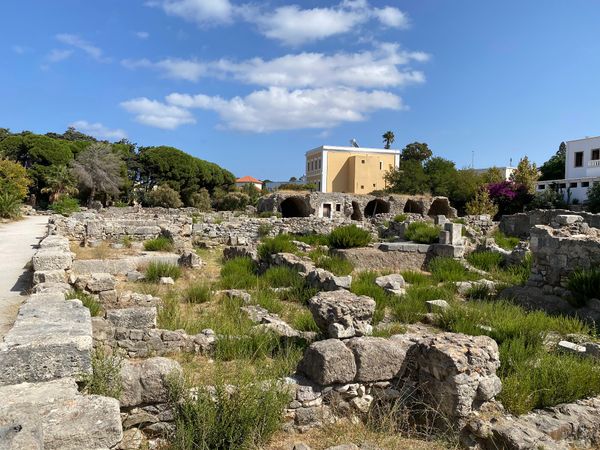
x=520 y=224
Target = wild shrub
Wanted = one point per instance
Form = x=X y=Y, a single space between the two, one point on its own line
x=400 y=218
x=312 y=238
x=88 y=301
x=159 y=244
x=300 y=293
x=201 y=200
x=264 y=229
x=281 y=276
x=65 y=205
x=266 y=214
x=228 y=418
x=238 y=273
x=584 y=284
x=163 y=196
x=127 y=241
x=504 y=241
x=332 y=263
x=349 y=236
x=303 y=320
x=10 y=204
x=105 y=378
x=278 y=244
x=364 y=284
x=412 y=307
x=485 y=260
x=448 y=269
x=156 y=270
x=422 y=232
x=416 y=277
x=199 y=292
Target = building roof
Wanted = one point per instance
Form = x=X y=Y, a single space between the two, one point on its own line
x=247 y=179
x=354 y=149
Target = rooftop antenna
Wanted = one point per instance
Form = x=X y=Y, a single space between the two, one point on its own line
x=354 y=143
x=472 y=159
x=510 y=163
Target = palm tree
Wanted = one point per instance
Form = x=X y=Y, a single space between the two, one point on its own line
x=59 y=182
x=388 y=138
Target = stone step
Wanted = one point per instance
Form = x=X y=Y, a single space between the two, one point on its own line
x=53 y=415
x=51 y=338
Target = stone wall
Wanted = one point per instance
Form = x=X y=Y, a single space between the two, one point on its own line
x=520 y=224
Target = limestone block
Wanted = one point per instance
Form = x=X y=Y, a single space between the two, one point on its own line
x=342 y=314
x=146 y=382
x=49 y=276
x=137 y=317
x=328 y=362
x=393 y=281
x=377 y=359
x=99 y=282
x=52 y=259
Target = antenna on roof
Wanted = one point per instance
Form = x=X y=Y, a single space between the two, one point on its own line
x=354 y=143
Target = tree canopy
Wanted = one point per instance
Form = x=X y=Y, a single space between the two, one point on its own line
x=417 y=151
x=554 y=168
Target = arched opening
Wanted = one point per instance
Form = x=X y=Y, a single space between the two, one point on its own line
x=412 y=206
x=356 y=214
x=377 y=206
x=440 y=207
x=295 y=207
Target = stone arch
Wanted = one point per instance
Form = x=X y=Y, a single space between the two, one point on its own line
x=412 y=206
x=356 y=214
x=377 y=206
x=440 y=207
x=295 y=207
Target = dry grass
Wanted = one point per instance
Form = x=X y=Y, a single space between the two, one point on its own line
x=102 y=251
x=345 y=432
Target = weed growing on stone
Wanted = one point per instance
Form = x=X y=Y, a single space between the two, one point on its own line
x=156 y=270
x=332 y=263
x=504 y=241
x=159 y=244
x=88 y=301
x=105 y=378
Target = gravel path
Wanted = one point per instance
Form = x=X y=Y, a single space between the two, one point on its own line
x=18 y=241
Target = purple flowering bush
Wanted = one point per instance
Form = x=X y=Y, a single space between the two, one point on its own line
x=510 y=197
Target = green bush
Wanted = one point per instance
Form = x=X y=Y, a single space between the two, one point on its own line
x=163 y=196
x=504 y=241
x=65 y=206
x=412 y=307
x=266 y=214
x=364 y=284
x=88 y=301
x=156 y=270
x=264 y=229
x=238 y=273
x=10 y=204
x=278 y=244
x=312 y=239
x=232 y=201
x=422 y=232
x=450 y=270
x=281 y=277
x=349 y=236
x=199 y=292
x=225 y=418
x=401 y=218
x=485 y=260
x=159 y=244
x=105 y=378
x=304 y=321
x=201 y=200
x=336 y=265
x=584 y=284
x=593 y=198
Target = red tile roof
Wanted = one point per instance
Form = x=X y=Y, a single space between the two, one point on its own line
x=247 y=179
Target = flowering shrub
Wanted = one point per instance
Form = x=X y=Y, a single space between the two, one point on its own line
x=510 y=197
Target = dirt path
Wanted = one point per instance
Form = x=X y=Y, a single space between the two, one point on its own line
x=18 y=241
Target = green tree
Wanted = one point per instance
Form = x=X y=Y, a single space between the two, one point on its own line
x=388 y=139
x=554 y=168
x=99 y=169
x=593 y=194
x=481 y=204
x=252 y=192
x=201 y=200
x=13 y=178
x=466 y=184
x=526 y=174
x=59 y=182
x=409 y=178
x=442 y=175
x=417 y=151
x=163 y=196
x=493 y=175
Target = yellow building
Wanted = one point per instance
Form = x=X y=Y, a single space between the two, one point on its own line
x=353 y=170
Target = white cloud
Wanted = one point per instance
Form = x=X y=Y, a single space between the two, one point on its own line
x=381 y=67
x=81 y=44
x=142 y=34
x=175 y=68
x=157 y=114
x=293 y=26
x=368 y=69
x=202 y=12
x=56 y=55
x=98 y=130
x=20 y=49
x=391 y=17
x=283 y=109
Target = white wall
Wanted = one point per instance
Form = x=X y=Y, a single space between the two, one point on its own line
x=585 y=146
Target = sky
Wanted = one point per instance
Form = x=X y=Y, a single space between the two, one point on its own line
x=252 y=85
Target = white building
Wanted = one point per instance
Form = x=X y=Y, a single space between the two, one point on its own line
x=582 y=170
x=505 y=171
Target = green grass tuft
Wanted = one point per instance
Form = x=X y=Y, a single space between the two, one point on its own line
x=88 y=301
x=449 y=269
x=422 y=232
x=504 y=241
x=364 y=284
x=159 y=244
x=279 y=244
x=584 y=284
x=156 y=270
x=349 y=236
x=199 y=292
x=238 y=273
x=485 y=260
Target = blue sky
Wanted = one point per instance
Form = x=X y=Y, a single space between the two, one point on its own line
x=252 y=86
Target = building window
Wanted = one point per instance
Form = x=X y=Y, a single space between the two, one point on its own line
x=374 y=185
x=362 y=187
x=363 y=161
x=308 y=167
x=338 y=207
x=541 y=187
x=573 y=185
x=585 y=184
x=318 y=185
x=578 y=159
x=595 y=154
x=319 y=163
x=562 y=185
x=380 y=165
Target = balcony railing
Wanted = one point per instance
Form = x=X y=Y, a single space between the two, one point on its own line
x=594 y=163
